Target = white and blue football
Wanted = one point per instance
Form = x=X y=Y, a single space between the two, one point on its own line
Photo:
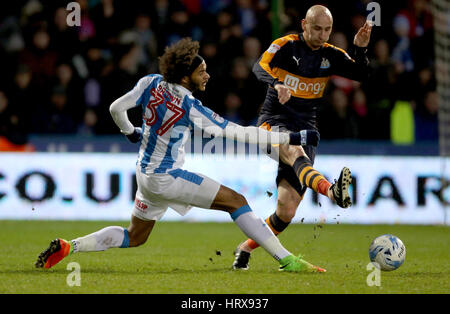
x=388 y=252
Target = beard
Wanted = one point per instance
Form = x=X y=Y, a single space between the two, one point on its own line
x=195 y=86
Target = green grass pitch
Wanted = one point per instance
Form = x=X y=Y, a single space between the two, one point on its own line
x=196 y=258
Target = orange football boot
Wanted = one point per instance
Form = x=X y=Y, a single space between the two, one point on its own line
x=56 y=251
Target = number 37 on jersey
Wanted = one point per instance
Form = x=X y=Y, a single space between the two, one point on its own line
x=157 y=109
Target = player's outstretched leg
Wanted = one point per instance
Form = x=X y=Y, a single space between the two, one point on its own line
x=256 y=229
x=56 y=251
x=101 y=240
x=288 y=201
x=337 y=192
x=242 y=251
x=106 y=238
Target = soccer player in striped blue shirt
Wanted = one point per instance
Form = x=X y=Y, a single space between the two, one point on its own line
x=169 y=113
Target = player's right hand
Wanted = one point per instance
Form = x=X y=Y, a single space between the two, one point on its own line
x=284 y=94
x=135 y=136
x=305 y=137
x=362 y=38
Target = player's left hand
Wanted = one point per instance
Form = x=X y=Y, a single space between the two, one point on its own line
x=305 y=137
x=362 y=38
x=135 y=136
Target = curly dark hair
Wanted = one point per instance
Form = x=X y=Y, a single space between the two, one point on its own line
x=177 y=59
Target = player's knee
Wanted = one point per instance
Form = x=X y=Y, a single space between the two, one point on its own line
x=286 y=210
x=238 y=200
x=298 y=152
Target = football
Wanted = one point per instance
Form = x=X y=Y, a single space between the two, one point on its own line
x=388 y=252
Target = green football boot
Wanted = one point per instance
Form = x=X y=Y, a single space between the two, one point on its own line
x=295 y=264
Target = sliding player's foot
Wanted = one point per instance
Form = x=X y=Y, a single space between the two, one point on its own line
x=56 y=251
x=340 y=188
x=298 y=265
x=241 y=259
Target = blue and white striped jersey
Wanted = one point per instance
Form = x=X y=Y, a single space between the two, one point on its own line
x=169 y=114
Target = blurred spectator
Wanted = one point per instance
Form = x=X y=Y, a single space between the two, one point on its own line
x=40 y=58
x=148 y=45
x=95 y=60
x=26 y=98
x=63 y=35
x=87 y=29
x=13 y=133
x=215 y=91
x=161 y=16
x=251 y=51
x=11 y=35
x=193 y=7
x=120 y=81
x=240 y=74
x=67 y=80
x=426 y=118
x=88 y=126
x=247 y=16
x=181 y=26
x=359 y=106
x=208 y=50
x=424 y=82
x=337 y=120
x=60 y=117
x=383 y=78
x=403 y=57
x=401 y=53
x=107 y=21
x=233 y=105
x=339 y=40
x=230 y=36
x=249 y=89
x=382 y=74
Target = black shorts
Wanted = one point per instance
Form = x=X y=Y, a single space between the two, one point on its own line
x=285 y=171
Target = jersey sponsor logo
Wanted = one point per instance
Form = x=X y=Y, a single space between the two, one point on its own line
x=303 y=87
x=140 y=205
x=273 y=48
x=291 y=82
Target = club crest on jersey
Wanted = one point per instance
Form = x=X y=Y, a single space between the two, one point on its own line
x=325 y=64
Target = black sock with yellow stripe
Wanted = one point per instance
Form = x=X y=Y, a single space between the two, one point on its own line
x=276 y=224
x=309 y=176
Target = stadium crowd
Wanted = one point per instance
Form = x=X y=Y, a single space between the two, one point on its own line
x=61 y=79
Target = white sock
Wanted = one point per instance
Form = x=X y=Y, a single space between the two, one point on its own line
x=257 y=230
x=109 y=237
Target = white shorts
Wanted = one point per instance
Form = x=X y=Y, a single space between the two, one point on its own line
x=178 y=189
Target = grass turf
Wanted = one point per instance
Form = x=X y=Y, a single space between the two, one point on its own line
x=196 y=258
